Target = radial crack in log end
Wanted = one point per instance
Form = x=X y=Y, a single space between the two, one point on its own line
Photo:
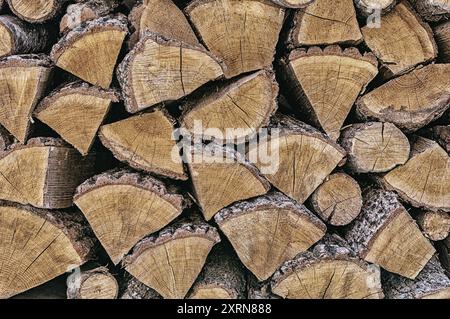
x=325 y=84
x=432 y=10
x=122 y=207
x=424 y=181
x=326 y=22
x=90 y=51
x=39 y=245
x=96 y=283
x=300 y=157
x=36 y=11
x=221 y=177
x=43 y=173
x=268 y=230
x=171 y=260
x=23 y=79
x=385 y=234
x=402 y=41
x=410 y=101
x=243 y=33
x=75 y=112
x=329 y=271
x=146 y=142
x=244 y=106
x=374 y=147
x=369 y=7
x=160 y=69
x=338 y=200
x=435 y=225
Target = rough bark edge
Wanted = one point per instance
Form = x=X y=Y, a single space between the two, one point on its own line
x=26 y=60
x=75 y=283
x=35 y=142
x=363 y=10
x=429 y=11
x=287 y=4
x=132 y=288
x=6 y=139
x=56 y=10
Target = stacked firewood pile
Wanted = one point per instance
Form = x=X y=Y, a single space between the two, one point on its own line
x=224 y=149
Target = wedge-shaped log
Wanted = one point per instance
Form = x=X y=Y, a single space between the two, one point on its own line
x=145 y=142
x=122 y=207
x=385 y=234
x=269 y=230
x=329 y=271
x=368 y=7
x=36 y=11
x=410 y=101
x=23 y=79
x=75 y=112
x=302 y=157
x=90 y=51
x=96 y=283
x=160 y=69
x=435 y=225
x=244 y=35
x=43 y=173
x=325 y=84
x=432 y=10
x=424 y=181
x=402 y=41
x=38 y=245
x=374 y=147
x=171 y=260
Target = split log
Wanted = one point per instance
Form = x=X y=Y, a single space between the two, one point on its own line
x=301 y=157
x=435 y=225
x=432 y=10
x=325 y=84
x=39 y=245
x=222 y=176
x=267 y=231
x=244 y=35
x=338 y=200
x=368 y=7
x=159 y=70
x=90 y=51
x=43 y=173
x=19 y=37
x=76 y=112
x=410 y=101
x=374 y=147
x=36 y=11
x=441 y=134
x=23 y=79
x=385 y=234
x=330 y=271
x=424 y=181
x=442 y=37
x=134 y=289
x=171 y=260
x=295 y=4
x=431 y=283
x=222 y=277
x=96 y=283
x=444 y=254
x=85 y=10
x=243 y=106
x=402 y=41
x=326 y=22
x=145 y=142
x=122 y=207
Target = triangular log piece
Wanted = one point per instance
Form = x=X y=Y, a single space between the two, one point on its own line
x=410 y=101
x=96 y=283
x=19 y=37
x=171 y=260
x=145 y=142
x=241 y=107
x=338 y=200
x=134 y=289
x=244 y=35
x=432 y=10
x=43 y=173
x=75 y=112
x=36 y=11
x=295 y=4
x=442 y=37
x=431 y=283
x=162 y=17
x=374 y=147
x=39 y=245
x=435 y=225
x=160 y=69
x=90 y=52
x=300 y=157
x=424 y=181
x=369 y=7
x=326 y=22
x=267 y=231
x=329 y=271
x=401 y=41
x=23 y=79
x=385 y=234
x=325 y=84
x=222 y=277
x=222 y=176
x=441 y=134
x=122 y=207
